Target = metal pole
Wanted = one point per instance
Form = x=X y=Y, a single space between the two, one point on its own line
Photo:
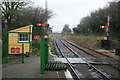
x=42 y=55
x=22 y=52
x=46 y=10
x=6 y=41
x=1 y=45
x=46 y=29
x=42 y=44
x=46 y=51
x=108 y=21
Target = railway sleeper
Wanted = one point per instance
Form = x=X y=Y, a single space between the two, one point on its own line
x=55 y=66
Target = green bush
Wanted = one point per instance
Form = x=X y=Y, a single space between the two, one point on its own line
x=35 y=47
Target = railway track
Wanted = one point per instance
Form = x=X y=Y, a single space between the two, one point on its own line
x=81 y=70
x=61 y=54
x=98 y=56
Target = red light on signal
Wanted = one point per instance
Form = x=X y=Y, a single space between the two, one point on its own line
x=103 y=26
x=37 y=24
x=41 y=24
x=106 y=26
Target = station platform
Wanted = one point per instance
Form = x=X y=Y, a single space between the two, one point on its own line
x=30 y=69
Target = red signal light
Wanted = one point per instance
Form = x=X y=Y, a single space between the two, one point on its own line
x=106 y=26
x=103 y=26
x=41 y=24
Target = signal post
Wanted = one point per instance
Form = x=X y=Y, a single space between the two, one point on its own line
x=43 y=47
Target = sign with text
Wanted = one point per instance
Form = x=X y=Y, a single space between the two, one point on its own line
x=15 y=50
x=36 y=37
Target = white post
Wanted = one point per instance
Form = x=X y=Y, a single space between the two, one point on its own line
x=108 y=21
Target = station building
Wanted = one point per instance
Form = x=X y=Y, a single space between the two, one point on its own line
x=20 y=39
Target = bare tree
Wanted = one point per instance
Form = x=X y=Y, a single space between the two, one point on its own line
x=35 y=15
x=19 y=13
x=10 y=11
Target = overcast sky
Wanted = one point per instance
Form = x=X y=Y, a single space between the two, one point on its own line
x=70 y=11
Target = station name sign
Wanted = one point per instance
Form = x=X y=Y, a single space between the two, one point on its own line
x=15 y=50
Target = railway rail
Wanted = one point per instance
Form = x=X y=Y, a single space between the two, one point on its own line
x=98 y=56
x=82 y=70
x=77 y=44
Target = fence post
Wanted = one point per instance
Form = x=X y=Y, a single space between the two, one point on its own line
x=22 y=52
x=42 y=55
